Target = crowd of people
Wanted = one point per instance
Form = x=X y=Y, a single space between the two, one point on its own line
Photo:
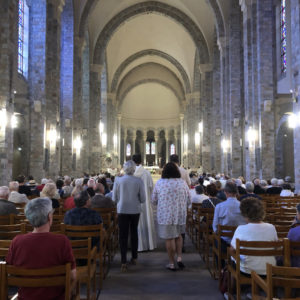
x=235 y=203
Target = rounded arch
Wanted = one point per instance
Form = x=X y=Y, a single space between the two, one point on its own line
x=89 y=6
x=150 y=80
x=150 y=52
x=179 y=91
x=220 y=25
x=144 y=8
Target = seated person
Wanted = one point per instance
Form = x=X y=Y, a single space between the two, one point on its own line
x=69 y=202
x=211 y=201
x=59 y=186
x=23 y=189
x=220 y=195
x=240 y=186
x=294 y=235
x=199 y=196
x=99 y=200
x=91 y=187
x=41 y=249
x=274 y=189
x=286 y=191
x=6 y=207
x=257 y=187
x=297 y=217
x=50 y=191
x=249 y=190
x=256 y=230
x=15 y=196
x=82 y=214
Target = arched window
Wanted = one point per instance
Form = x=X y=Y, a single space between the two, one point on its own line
x=147 y=148
x=172 y=149
x=283 y=40
x=23 y=38
x=128 y=150
x=153 y=148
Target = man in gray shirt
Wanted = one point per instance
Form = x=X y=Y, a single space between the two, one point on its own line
x=128 y=194
x=6 y=207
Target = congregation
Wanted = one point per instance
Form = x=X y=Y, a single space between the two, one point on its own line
x=178 y=194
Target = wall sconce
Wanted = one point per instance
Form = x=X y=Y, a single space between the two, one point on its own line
x=115 y=140
x=101 y=127
x=186 y=139
x=197 y=138
x=77 y=144
x=251 y=136
x=236 y=122
x=52 y=137
x=104 y=139
x=200 y=127
x=225 y=145
x=295 y=94
x=292 y=121
x=3 y=119
x=14 y=121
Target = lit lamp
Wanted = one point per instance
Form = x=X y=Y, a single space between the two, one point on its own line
x=77 y=144
x=200 y=127
x=292 y=121
x=14 y=121
x=101 y=127
x=104 y=139
x=197 y=138
x=115 y=140
x=251 y=136
x=186 y=139
x=52 y=137
x=3 y=119
x=225 y=145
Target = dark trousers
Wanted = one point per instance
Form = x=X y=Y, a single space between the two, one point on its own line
x=224 y=246
x=125 y=222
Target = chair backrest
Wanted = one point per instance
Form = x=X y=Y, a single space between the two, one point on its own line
x=262 y=248
x=282 y=231
x=5 y=220
x=4 y=247
x=10 y=231
x=46 y=277
x=226 y=231
x=286 y=277
x=82 y=231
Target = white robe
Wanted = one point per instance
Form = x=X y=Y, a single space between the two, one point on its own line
x=146 y=228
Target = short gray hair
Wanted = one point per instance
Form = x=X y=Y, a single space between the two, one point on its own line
x=4 y=192
x=37 y=211
x=249 y=187
x=129 y=167
x=274 y=181
x=14 y=186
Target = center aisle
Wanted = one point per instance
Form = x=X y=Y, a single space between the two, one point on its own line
x=150 y=280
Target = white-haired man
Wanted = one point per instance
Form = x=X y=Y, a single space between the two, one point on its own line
x=15 y=196
x=274 y=189
x=6 y=207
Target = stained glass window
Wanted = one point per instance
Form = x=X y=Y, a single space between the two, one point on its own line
x=128 y=150
x=147 y=148
x=153 y=148
x=283 y=41
x=23 y=38
x=172 y=149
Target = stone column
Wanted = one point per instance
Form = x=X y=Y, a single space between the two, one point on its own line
x=96 y=157
x=8 y=76
x=119 y=138
x=133 y=141
x=181 y=116
x=144 y=151
x=167 y=145
x=125 y=143
x=156 y=137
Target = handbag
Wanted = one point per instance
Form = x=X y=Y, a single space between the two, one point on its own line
x=223 y=281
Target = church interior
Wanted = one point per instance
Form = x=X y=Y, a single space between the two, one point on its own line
x=85 y=84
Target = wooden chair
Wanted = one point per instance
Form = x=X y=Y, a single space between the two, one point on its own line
x=251 y=248
x=93 y=231
x=282 y=231
x=294 y=250
x=284 y=277
x=4 y=247
x=207 y=240
x=46 y=277
x=5 y=220
x=82 y=250
x=218 y=255
x=8 y=232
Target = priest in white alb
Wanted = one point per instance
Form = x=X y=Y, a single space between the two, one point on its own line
x=146 y=228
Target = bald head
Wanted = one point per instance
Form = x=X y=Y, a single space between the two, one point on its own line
x=4 y=192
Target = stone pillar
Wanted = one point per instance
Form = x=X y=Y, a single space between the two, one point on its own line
x=125 y=143
x=144 y=151
x=167 y=145
x=133 y=142
x=235 y=59
x=156 y=137
x=96 y=157
x=119 y=138
x=181 y=116
x=8 y=76
x=295 y=66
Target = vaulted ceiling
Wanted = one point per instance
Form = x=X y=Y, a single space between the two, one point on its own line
x=151 y=44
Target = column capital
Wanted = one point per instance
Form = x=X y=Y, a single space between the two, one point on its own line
x=205 y=68
x=181 y=117
x=59 y=4
x=96 y=68
x=79 y=43
x=119 y=116
x=221 y=42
